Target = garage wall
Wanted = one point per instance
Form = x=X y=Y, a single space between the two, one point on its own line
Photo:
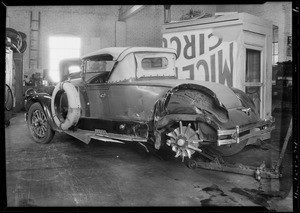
x=144 y=28
x=94 y=24
x=279 y=13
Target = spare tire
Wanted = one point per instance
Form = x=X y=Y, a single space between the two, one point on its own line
x=16 y=38
x=65 y=105
x=23 y=35
x=24 y=47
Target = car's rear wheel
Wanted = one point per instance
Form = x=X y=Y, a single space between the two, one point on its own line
x=38 y=124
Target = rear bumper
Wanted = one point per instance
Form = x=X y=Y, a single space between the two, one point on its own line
x=240 y=133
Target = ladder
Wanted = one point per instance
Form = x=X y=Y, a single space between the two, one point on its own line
x=34 y=55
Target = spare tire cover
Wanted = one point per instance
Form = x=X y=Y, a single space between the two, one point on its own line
x=74 y=107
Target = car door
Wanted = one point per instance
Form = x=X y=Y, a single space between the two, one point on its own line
x=96 y=98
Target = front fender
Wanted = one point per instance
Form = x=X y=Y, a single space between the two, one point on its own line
x=45 y=100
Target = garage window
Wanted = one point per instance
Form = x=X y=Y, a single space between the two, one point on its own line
x=253 y=80
x=62 y=47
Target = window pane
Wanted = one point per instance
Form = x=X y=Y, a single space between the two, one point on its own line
x=276 y=48
x=254 y=94
x=252 y=65
x=153 y=63
x=97 y=66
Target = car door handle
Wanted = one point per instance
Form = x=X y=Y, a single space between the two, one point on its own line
x=102 y=95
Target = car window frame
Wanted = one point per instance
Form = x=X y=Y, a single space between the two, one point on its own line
x=84 y=67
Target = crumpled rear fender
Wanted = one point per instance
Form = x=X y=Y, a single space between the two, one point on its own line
x=191 y=102
x=45 y=100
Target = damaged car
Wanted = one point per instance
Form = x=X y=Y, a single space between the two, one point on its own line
x=133 y=95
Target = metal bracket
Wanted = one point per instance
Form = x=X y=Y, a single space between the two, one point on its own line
x=238 y=169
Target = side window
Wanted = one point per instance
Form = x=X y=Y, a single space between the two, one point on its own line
x=96 y=66
x=154 y=63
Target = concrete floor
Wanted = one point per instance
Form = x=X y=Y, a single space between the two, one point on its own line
x=68 y=172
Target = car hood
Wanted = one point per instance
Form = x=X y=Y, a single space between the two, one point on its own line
x=225 y=95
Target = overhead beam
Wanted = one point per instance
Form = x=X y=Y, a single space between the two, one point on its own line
x=130 y=12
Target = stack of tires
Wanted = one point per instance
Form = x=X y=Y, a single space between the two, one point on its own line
x=17 y=40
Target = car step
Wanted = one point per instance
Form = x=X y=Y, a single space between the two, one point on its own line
x=86 y=136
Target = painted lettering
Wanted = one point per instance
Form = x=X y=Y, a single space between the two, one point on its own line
x=213 y=67
x=218 y=43
x=202 y=56
x=191 y=69
x=201 y=43
x=177 y=40
x=224 y=73
x=205 y=67
x=189 y=45
x=164 y=42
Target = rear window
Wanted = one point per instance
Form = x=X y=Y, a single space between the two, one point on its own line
x=154 y=63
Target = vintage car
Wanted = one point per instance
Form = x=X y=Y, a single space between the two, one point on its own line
x=132 y=94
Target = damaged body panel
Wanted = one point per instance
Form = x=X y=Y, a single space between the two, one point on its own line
x=132 y=94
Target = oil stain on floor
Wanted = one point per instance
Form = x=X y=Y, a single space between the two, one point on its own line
x=218 y=197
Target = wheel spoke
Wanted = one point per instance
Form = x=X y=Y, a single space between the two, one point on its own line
x=187 y=129
x=38 y=114
x=189 y=153
x=195 y=133
x=177 y=153
x=184 y=140
x=176 y=131
x=171 y=135
x=180 y=127
x=44 y=128
x=194 y=148
x=44 y=119
x=42 y=132
x=169 y=142
x=33 y=119
x=197 y=141
x=38 y=131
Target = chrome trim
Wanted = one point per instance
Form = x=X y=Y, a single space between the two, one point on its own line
x=233 y=135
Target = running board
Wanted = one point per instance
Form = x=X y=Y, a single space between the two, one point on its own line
x=86 y=136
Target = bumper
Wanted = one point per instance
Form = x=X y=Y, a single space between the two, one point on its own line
x=241 y=133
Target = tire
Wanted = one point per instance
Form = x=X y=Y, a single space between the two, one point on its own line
x=23 y=35
x=232 y=149
x=74 y=107
x=9 y=98
x=15 y=37
x=24 y=47
x=38 y=124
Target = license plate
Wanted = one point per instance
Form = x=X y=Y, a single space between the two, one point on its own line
x=100 y=132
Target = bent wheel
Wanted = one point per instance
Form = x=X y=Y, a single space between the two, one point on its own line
x=38 y=124
x=184 y=141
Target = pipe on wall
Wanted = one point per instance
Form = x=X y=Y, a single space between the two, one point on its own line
x=167 y=13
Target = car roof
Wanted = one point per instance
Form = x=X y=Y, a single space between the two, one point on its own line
x=118 y=53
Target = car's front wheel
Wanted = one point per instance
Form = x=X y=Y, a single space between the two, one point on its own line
x=38 y=124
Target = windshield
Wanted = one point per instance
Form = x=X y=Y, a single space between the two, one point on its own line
x=99 y=66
